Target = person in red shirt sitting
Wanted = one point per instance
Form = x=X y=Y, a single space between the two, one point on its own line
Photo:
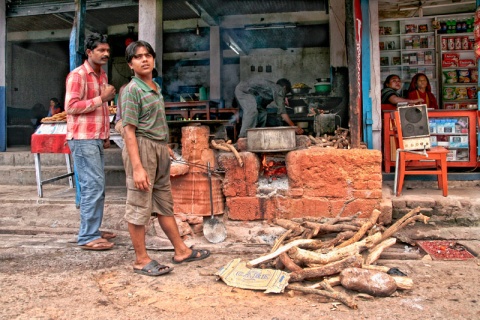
x=420 y=89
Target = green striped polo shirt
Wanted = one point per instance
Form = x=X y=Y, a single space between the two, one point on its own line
x=144 y=108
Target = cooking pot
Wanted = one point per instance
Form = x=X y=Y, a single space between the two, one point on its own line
x=275 y=139
x=300 y=109
x=323 y=87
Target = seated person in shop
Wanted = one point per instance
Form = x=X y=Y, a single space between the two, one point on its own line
x=420 y=89
x=254 y=95
x=390 y=92
x=55 y=107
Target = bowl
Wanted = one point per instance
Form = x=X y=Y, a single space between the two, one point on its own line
x=301 y=90
x=323 y=87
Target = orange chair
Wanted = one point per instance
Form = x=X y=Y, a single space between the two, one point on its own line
x=411 y=162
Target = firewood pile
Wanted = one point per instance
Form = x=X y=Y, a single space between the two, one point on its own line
x=339 y=140
x=338 y=251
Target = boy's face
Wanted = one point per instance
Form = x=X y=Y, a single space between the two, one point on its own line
x=142 y=63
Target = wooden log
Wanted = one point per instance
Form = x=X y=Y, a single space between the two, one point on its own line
x=403 y=283
x=328 y=228
x=296 y=228
x=310 y=258
x=339 y=296
x=333 y=242
x=220 y=147
x=280 y=250
x=280 y=240
x=376 y=251
x=333 y=281
x=237 y=155
x=288 y=263
x=361 y=232
x=375 y=267
x=326 y=270
x=397 y=225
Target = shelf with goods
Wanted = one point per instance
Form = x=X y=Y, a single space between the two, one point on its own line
x=459 y=73
x=452 y=129
x=407 y=47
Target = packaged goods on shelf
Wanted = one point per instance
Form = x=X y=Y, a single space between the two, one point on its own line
x=449 y=93
x=463 y=75
x=450 y=76
x=432 y=123
x=461 y=93
x=433 y=141
x=458 y=141
x=462 y=63
x=462 y=155
x=452 y=155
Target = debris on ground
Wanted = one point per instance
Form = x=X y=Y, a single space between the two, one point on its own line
x=320 y=254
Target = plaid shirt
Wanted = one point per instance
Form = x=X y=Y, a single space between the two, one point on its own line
x=87 y=116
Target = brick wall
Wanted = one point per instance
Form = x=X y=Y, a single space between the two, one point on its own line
x=322 y=182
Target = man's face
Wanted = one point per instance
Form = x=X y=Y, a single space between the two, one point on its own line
x=100 y=54
x=142 y=62
x=395 y=83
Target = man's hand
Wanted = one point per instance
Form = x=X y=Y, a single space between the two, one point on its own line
x=106 y=143
x=107 y=92
x=298 y=130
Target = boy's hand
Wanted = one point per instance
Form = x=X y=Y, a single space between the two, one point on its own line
x=141 y=180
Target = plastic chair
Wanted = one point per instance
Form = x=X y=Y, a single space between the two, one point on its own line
x=405 y=158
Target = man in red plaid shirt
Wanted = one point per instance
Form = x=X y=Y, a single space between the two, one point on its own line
x=88 y=133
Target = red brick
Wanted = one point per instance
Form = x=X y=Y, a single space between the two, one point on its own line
x=243 y=208
x=240 y=181
x=367 y=194
x=303 y=207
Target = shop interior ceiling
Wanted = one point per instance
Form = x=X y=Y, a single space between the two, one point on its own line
x=246 y=24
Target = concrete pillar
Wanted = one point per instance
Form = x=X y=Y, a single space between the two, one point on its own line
x=150 y=27
x=338 y=50
x=216 y=61
x=375 y=76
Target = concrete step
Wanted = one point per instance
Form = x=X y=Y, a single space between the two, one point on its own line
x=18 y=168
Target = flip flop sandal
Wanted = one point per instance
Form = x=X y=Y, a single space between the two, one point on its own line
x=204 y=253
x=153 y=269
x=97 y=245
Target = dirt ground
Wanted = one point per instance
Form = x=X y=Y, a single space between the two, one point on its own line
x=46 y=276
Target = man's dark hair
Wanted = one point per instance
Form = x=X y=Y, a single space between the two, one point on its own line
x=285 y=83
x=94 y=39
x=132 y=49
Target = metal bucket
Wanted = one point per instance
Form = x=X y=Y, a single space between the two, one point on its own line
x=275 y=139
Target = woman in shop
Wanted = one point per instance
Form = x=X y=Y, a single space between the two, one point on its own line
x=420 y=89
x=55 y=107
x=390 y=93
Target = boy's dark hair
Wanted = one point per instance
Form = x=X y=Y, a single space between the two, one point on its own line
x=132 y=49
x=285 y=83
x=94 y=39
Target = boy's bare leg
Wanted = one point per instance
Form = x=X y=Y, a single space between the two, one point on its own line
x=169 y=226
x=137 y=235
